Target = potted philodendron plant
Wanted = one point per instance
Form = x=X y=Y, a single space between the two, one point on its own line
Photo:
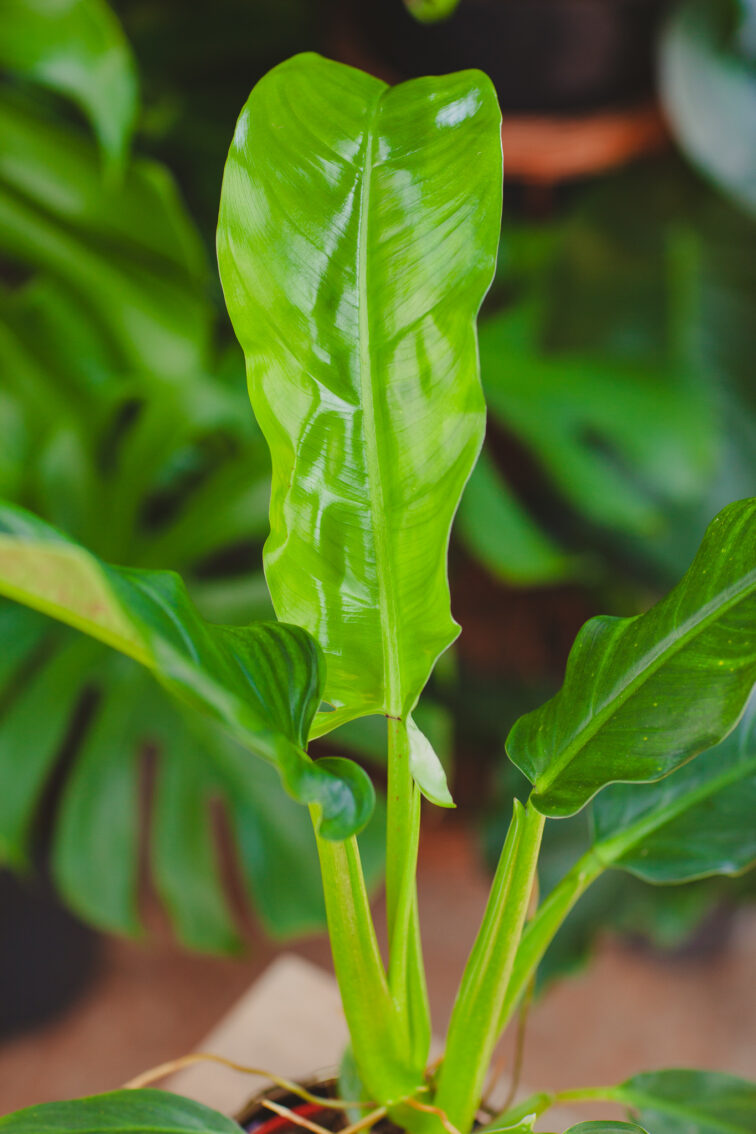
x=357 y=237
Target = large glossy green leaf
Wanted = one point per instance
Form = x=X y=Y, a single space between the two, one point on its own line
x=76 y=47
x=642 y=695
x=127 y=251
x=120 y=1112
x=691 y=1102
x=696 y=822
x=708 y=86
x=184 y=860
x=262 y=682
x=357 y=237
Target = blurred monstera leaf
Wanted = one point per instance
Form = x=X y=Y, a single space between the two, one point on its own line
x=708 y=86
x=594 y=421
x=126 y=252
x=261 y=682
x=76 y=48
x=114 y=430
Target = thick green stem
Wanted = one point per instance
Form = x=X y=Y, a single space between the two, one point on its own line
x=474 y=1030
x=406 y=970
x=540 y=932
x=376 y=1027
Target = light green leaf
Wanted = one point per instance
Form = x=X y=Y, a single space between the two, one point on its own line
x=708 y=87
x=426 y=768
x=262 y=682
x=691 y=1102
x=643 y=695
x=355 y=245
x=76 y=47
x=120 y=1112
x=697 y=822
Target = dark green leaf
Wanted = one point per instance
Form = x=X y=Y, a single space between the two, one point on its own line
x=184 y=851
x=262 y=682
x=603 y=1126
x=498 y=530
x=21 y=632
x=696 y=822
x=76 y=47
x=643 y=695
x=120 y=1112
x=708 y=86
x=691 y=1102
x=591 y=419
x=355 y=245
x=127 y=251
x=96 y=847
x=34 y=725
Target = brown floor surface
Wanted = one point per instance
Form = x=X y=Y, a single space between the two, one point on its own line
x=629 y=1011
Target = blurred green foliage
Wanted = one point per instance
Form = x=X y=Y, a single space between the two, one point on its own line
x=616 y=352
x=128 y=427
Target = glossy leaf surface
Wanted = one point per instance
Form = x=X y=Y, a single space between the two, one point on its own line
x=77 y=48
x=642 y=695
x=262 y=682
x=691 y=1102
x=120 y=1112
x=357 y=237
x=696 y=822
x=708 y=85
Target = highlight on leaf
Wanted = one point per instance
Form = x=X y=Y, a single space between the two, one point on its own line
x=643 y=695
x=354 y=261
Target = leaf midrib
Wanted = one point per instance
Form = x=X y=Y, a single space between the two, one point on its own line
x=662 y=653
x=377 y=504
